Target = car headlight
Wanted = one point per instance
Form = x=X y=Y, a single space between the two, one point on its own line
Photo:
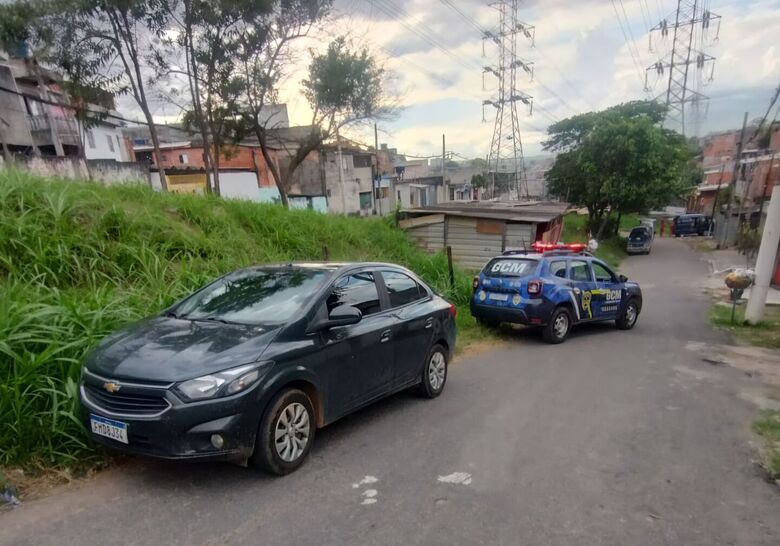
x=223 y=383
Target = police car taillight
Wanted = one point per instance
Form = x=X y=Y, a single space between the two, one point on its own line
x=475 y=283
x=535 y=287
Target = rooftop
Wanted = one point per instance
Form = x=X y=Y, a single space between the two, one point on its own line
x=518 y=211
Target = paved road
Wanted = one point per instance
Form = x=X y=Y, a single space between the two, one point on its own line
x=623 y=438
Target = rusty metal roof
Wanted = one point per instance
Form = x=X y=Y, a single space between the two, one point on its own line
x=513 y=211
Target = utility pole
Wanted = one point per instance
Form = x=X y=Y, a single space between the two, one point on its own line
x=765 y=262
x=341 y=174
x=733 y=185
x=376 y=183
x=443 y=183
x=766 y=185
x=688 y=65
x=715 y=199
x=506 y=143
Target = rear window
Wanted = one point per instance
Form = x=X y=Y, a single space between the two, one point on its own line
x=639 y=234
x=510 y=267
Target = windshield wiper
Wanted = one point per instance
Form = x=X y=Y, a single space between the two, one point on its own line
x=223 y=321
x=171 y=314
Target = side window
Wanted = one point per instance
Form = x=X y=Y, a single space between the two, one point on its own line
x=558 y=269
x=579 y=271
x=602 y=273
x=401 y=288
x=358 y=290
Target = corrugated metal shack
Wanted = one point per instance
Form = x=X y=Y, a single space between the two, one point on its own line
x=479 y=230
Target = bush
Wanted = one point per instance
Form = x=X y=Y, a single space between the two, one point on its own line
x=78 y=261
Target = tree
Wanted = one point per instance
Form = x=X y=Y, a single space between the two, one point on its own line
x=263 y=58
x=619 y=160
x=478 y=180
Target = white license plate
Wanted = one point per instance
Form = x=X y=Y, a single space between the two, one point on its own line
x=116 y=430
x=498 y=297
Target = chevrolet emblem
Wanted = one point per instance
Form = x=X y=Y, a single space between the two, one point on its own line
x=112 y=387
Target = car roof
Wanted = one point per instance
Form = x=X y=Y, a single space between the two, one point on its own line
x=333 y=268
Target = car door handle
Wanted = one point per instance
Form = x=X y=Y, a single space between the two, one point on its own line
x=386 y=335
x=429 y=322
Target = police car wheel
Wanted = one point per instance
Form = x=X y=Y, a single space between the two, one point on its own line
x=627 y=319
x=558 y=327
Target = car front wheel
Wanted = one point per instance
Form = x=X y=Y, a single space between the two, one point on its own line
x=627 y=318
x=434 y=374
x=286 y=433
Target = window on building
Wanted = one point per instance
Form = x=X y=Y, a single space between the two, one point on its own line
x=183 y=159
x=361 y=161
x=90 y=139
x=164 y=158
x=365 y=200
x=398 y=195
x=110 y=143
x=401 y=288
x=118 y=143
x=358 y=290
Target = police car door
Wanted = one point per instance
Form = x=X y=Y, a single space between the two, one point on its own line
x=608 y=293
x=583 y=285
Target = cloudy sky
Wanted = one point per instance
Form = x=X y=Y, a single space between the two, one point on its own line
x=588 y=54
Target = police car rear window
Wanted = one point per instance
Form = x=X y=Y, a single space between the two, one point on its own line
x=510 y=267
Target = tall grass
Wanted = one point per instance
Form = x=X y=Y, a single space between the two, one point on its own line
x=78 y=261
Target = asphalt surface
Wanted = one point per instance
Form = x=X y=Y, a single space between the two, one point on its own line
x=624 y=438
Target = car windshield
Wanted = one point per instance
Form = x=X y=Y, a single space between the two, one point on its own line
x=253 y=296
x=639 y=234
x=510 y=267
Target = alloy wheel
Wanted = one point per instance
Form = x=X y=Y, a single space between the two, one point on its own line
x=292 y=432
x=437 y=368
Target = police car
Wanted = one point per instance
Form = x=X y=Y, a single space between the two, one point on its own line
x=554 y=286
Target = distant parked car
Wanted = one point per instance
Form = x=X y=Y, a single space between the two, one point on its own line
x=640 y=240
x=691 y=224
x=649 y=223
x=250 y=366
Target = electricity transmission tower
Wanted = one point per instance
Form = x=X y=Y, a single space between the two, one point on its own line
x=506 y=147
x=688 y=67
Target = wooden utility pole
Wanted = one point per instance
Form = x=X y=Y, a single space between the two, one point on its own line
x=375 y=183
x=443 y=156
x=735 y=177
x=715 y=200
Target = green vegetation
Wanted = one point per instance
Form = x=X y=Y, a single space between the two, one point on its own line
x=612 y=250
x=78 y=261
x=769 y=428
x=764 y=334
x=618 y=160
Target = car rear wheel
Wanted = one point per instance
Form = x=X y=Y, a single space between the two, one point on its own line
x=557 y=329
x=434 y=374
x=286 y=433
x=627 y=318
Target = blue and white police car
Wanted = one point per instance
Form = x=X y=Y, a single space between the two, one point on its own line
x=555 y=286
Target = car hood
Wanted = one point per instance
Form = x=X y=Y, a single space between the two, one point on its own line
x=168 y=349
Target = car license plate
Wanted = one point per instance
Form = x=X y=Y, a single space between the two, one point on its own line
x=498 y=297
x=116 y=430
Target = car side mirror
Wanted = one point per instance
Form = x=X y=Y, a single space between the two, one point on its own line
x=622 y=278
x=343 y=315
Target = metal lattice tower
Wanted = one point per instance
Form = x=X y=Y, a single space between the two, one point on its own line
x=506 y=147
x=687 y=67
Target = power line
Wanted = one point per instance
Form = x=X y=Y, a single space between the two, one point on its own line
x=636 y=62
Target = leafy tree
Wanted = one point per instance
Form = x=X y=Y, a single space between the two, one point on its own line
x=478 y=180
x=479 y=163
x=619 y=160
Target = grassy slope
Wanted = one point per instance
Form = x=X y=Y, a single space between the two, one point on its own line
x=79 y=260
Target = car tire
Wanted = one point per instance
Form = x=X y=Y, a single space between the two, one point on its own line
x=629 y=316
x=558 y=327
x=434 y=373
x=290 y=418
